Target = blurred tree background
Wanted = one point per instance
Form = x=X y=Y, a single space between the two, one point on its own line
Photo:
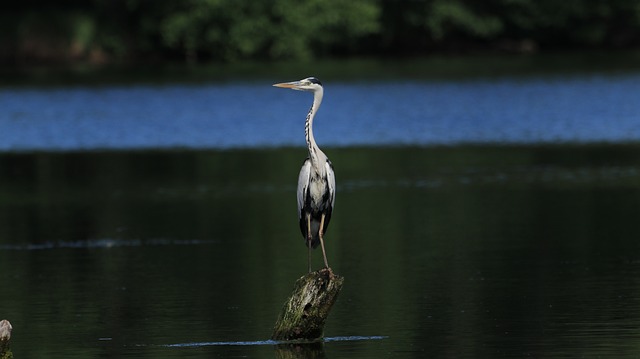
x=36 y=32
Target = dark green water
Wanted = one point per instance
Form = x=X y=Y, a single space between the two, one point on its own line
x=492 y=251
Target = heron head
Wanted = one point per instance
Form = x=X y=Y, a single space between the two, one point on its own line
x=311 y=84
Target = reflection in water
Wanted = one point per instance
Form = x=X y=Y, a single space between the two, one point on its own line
x=449 y=251
x=293 y=349
x=300 y=351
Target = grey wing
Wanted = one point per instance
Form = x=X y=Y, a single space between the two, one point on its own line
x=331 y=179
x=303 y=184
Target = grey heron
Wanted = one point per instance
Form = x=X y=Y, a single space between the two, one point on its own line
x=316 y=181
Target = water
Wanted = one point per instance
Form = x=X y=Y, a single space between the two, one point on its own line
x=454 y=251
x=553 y=109
x=517 y=238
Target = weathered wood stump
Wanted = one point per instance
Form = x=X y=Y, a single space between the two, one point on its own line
x=305 y=312
x=5 y=337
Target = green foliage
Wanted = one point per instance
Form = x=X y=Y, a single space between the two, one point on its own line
x=8 y=354
x=308 y=27
x=230 y=30
x=445 y=16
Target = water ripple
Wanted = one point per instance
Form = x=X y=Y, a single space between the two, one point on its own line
x=101 y=243
x=517 y=176
x=273 y=342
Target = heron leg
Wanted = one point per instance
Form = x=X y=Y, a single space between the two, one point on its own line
x=309 y=241
x=324 y=254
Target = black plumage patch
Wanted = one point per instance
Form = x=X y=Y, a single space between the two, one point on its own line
x=315 y=213
x=314 y=80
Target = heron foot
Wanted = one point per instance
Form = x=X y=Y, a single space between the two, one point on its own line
x=329 y=270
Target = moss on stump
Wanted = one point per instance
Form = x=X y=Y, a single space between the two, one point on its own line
x=305 y=312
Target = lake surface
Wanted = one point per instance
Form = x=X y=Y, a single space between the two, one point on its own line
x=509 y=110
x=489 y=218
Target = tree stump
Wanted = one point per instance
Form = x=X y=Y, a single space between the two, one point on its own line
x=305 y=312
x=5 y=336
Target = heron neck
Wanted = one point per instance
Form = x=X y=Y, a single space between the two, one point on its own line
x=314 y=151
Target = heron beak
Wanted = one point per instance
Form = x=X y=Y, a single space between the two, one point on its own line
x=289 y=85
